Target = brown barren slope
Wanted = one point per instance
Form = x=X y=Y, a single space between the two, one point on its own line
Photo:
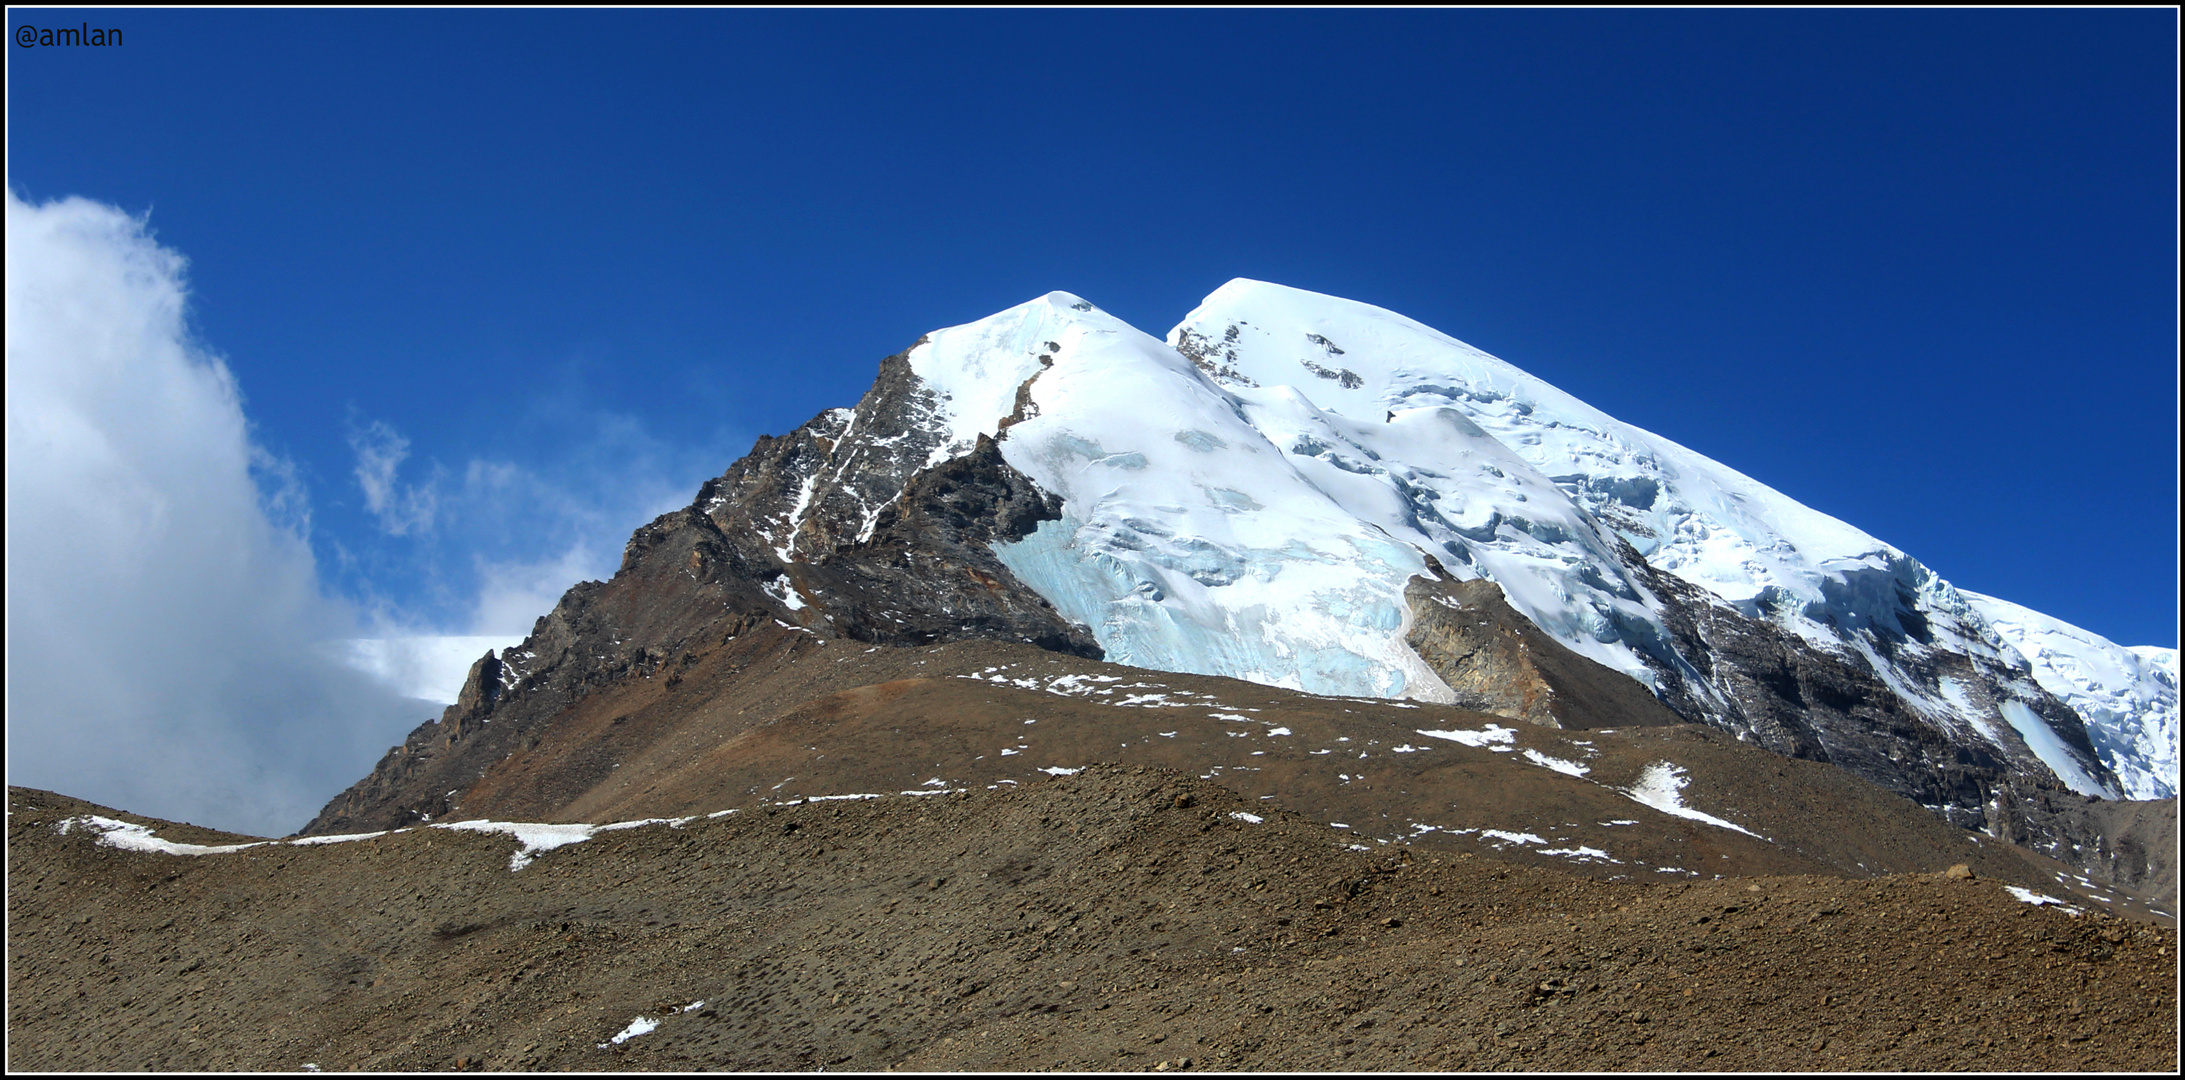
x=775 y=715
x=1121 y=918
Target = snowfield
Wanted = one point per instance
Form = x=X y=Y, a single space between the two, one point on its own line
x=2128 y=697
x=1251 y=496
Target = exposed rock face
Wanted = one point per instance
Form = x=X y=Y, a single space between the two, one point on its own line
x=928 y=574
x=1788 y=695
x=867 y=535
x=2129 y=844
x=1751 y=678
x=1498 y=662
x=842 y=527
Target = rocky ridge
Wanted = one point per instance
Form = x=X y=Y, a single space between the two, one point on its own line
x=839 y=528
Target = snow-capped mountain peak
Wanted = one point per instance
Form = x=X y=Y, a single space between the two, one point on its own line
x=1707 y=524
x=1305 y=491
x=1690 y=515
x=1322 y=495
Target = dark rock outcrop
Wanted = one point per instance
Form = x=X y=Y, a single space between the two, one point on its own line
x=928 y=574
x=845 y=527
x=1778 y=691
x=2126 y=844
x=1498 y=662
x=862 y=523
x=1765 y=684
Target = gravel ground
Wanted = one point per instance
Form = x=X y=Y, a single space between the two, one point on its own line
x=1124 y=918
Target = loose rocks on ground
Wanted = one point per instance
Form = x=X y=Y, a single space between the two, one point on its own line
x=1119 y=919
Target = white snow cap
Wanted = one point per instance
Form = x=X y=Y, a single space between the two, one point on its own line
x=1187 y=542
x=1250 y=498
x=1693 y=516
x=2127 y=696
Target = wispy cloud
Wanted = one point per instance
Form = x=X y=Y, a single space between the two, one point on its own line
x=501 y=540
x=170 y=650
x=401 y=509
x=513 y=595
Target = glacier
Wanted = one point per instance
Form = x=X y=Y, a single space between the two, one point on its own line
x=1770 y=556
x=1250 y=496
x=2127 y=696
x=1188 y=543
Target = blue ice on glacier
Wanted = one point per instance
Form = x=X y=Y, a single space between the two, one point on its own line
x=1260 y=518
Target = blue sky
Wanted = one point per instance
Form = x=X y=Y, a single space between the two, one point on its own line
x=495 y=287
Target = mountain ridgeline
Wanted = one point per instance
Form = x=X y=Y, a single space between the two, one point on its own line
x=1305 y=493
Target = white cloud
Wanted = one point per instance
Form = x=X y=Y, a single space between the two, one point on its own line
x=515 y=537
x=512 y=595
x=169 y=648
x=560 y=530
x=430 y=668
x=401 y=510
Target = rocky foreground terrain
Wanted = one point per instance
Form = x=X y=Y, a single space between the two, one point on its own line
x=1123 y=918
x=783 y=851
